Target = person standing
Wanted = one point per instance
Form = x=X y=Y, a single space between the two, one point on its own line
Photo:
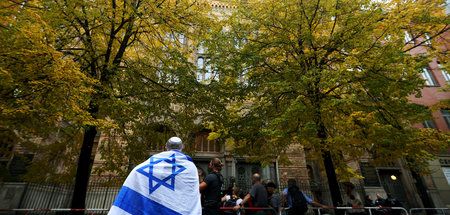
x=257 y=194
x=295 y=201
x=166 y=183
x=211 y=187
x=229 y=201
x=234 y=197
x=274 y=200
x=352 y=199
x=379 y=202
x=201 y=174
x=393 y=202
x=319 y=199
x=368 y=202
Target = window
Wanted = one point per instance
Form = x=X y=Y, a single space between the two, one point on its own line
x=166 y=76
x=408 y=37
x=181 y=38
x=428 y=124
x=446 y=115
x=447 y=7
x=429 y=79
x=201 y=49
x=200 y=64
x=446 y=171
x=444 y=72
x=427 y=39
x=243 y=77
x=202 y=144
x=175 y=37
x=205 y=72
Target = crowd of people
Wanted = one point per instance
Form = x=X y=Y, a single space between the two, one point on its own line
x=390 y=201
x=170 y=183
x=291 y=201
x=261 y=195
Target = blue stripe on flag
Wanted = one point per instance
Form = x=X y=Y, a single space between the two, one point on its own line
x=187 y=157
x=137 y=204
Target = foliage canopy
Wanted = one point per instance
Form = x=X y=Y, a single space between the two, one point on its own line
x=331 y=75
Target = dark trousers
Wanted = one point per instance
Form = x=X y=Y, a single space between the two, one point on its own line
x=211 y=211
x=293 y=211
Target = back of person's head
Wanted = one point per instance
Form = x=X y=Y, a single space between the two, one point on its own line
x=217 y=164
x=318 y=194
x=174 y=143
x=271 y=184
x=256 y=177
x=349 y=185
x=201 y=172
x=389 y=195
x=292 y=183
x=237 y=191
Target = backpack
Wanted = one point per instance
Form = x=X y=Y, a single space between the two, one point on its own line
x=229 y=204
x=299 y=203
x=214 y=202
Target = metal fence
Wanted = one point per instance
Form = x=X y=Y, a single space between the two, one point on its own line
x=103 y=190
x=46 y=196
x=426 y=211
x=53 y=211
x=101 y=193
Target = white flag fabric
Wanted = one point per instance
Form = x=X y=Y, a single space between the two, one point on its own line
x=167 y=183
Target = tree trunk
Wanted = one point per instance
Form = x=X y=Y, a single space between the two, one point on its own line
x=332 y=179
x=83 y=170
x=331 y=174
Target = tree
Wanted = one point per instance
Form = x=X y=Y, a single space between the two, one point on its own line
x=331 y=75
x=136 y=53
x=43 y=94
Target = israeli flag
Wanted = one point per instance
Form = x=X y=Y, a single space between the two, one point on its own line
x=167 y=183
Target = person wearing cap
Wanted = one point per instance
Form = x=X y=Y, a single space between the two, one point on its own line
x=166 y=183
x=211 y=187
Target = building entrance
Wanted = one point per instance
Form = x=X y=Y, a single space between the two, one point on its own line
x=392 y=183
x=244 y=173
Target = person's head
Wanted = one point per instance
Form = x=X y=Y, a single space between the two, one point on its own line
x=174 y=143
x=216 y=165
x=271 y=187
x=368 y=198
x=236 y=191
x=348 y=187
x=318 y=195
x=201 y=174
x=389 y=195
x=256 y=178
x=292 y=183
x=379 y=196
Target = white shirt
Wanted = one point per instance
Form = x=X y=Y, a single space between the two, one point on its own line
x=228 y=197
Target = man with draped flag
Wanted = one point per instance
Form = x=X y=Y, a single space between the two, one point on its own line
x=166 y=183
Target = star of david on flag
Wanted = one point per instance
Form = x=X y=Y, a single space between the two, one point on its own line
x=168 y=181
